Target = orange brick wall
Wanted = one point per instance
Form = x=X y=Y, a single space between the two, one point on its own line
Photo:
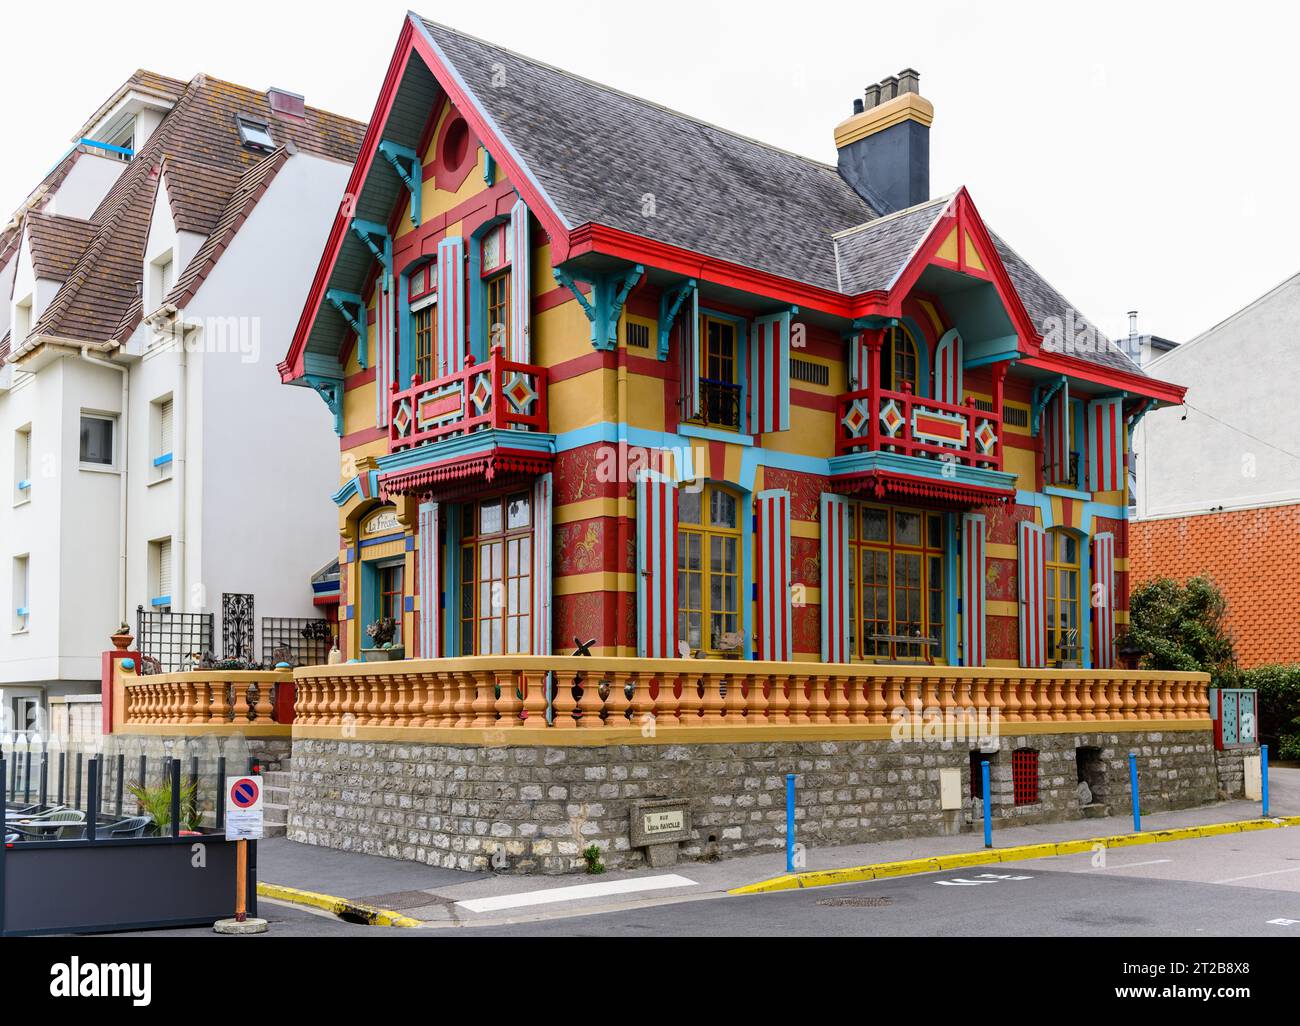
x=1253 y=555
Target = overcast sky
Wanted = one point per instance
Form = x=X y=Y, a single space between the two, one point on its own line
x=1141 y=154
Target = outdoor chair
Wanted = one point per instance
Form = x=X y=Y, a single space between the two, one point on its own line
x=135 y=826
x=76 y=820
x=10 y=838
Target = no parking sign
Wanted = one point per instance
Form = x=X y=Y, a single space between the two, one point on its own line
x=243 y=809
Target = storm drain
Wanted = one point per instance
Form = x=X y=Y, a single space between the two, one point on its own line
x=856 y=902
x=400 y=901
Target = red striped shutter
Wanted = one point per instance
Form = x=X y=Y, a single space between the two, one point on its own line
x=835 y=579
x=451 y=306
x=1056 y=438
x=1103 y=600
x=520 y=279
x=430 y=581
x=948 y=369
x=688 y=356
x=769 y=375
x=1033 y=603
x=972 y=589
x=384 y=371
x=656 y=549
x=1106 y=445
x=543 y=542
x=772 y=531
x=859 y=364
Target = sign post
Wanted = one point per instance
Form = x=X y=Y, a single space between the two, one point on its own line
x=243 y=824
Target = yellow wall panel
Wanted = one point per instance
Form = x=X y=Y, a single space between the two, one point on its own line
x=948 y=251
x=582 y=401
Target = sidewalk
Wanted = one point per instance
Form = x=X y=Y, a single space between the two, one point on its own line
x=432 y=896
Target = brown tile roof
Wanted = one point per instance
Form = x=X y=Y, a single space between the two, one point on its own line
x=57 y=243
x=198 y=150
x=12 y=233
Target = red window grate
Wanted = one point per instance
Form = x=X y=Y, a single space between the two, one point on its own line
x=1024 y=776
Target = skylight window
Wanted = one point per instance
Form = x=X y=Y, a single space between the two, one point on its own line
x=256 y=134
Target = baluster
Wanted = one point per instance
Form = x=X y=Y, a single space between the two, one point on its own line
x=839 y=703
x=384 y=698
x=241 y=701
x=799 y=702
x=534 y=684
x=1143 y=700
x=857 y=700
x=877 y=703
x=448 y=690
x=397 y=712
x=929 y=696
x=483 y=706
x=818 y=701
x=567 y=707
x=628 y=684
x=914 y=703
x=586 y=704
x=778 y=702
x=419 y=690
x=508 y=704
x=1011 y=711
x=264 y=707
x=430 y=699
x=735 y=700
x=713 y=703
x=199 y=710
x=1072 y=704
x=1031 y=709
x=692 y=699
x=1100 y=705
x=464 y=704
x=642 y=702
x=1156 y=694
x=756 y=699
x=665 y=701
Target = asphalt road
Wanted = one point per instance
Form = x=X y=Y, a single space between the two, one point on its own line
x=1234 y=885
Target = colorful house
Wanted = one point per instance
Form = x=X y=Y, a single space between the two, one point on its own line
x=607 y=377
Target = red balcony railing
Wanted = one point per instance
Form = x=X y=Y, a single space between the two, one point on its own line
x=497 y=395
x=874 y=420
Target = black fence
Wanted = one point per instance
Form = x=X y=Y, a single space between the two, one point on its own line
x=172 y=641
x=302 y=641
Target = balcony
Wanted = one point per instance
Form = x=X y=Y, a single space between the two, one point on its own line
x=906 y=446
x=499 y=395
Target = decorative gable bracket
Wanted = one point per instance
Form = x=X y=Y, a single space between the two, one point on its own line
x=1040 y=404
x=351 y=308
x=609 y=293
x=407 y=164
x=670 y=303
x=368 y=232
x=331 y=390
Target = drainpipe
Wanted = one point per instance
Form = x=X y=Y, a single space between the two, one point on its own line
x=125 y=421
x=179 y=421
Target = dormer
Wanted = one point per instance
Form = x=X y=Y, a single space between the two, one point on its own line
x=122 y=126
x=171 y=243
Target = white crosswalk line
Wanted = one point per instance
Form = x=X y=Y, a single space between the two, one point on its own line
x=555 y=894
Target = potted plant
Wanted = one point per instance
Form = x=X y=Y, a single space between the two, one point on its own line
x=382 y=634
x=122 y=638
x=156 y=803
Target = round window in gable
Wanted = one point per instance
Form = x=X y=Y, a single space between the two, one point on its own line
x=455 y=145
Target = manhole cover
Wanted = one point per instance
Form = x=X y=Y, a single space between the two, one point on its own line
x=856 y=902
x=400 y=900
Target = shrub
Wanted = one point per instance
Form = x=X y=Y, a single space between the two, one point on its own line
x=1183 y=627
x=1279 y=705
x=591 y=854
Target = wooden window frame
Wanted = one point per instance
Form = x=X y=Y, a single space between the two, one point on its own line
x=1057 y=571
x=705 y=532
x=473 y=541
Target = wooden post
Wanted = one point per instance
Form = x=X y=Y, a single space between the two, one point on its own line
x=241 y=881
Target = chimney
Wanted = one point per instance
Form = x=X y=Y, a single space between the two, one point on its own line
x=1132 y=324
x=284 y=102
x=884 y=148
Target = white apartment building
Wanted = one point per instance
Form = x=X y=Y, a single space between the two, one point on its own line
x=148 y=452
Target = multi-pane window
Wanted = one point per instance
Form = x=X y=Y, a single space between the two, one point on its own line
x=899 y=360
x=21 y=602
x=423 y=297
x=22 y=464
x=391 y=581
x=719 y=387
x=496 y=572
x=896 y=592
x=708 y=570
x=496 y=258
x=160 y=575
x=1063 y=647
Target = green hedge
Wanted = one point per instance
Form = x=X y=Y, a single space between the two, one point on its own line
x=1279 y=707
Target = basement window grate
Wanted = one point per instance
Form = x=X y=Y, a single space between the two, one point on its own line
x=808 y=372
x=1024 y=776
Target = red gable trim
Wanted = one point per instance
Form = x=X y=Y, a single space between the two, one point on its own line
x=1107 y=377
x=961 y=215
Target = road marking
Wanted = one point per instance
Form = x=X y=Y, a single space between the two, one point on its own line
x=554 y=894
x=984 y=878
x=1130 y=865
x=1284 y=922
x=1256 y=876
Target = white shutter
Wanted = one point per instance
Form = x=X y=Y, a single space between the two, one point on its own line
x=165 y=427
x=164 y=569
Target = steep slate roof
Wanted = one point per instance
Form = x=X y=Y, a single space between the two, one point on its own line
x=197 y=147
x=871 y=257
x=597 y=151
x=1042 y=302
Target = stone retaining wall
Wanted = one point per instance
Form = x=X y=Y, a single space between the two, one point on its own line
x=533 y=809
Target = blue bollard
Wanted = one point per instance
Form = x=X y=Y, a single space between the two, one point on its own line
x=789 y=822
x=1133 y=789
x=1263 y=775
x=988 y=806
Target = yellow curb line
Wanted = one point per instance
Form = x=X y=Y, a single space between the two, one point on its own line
x=1019 y=853
x=339 y=906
